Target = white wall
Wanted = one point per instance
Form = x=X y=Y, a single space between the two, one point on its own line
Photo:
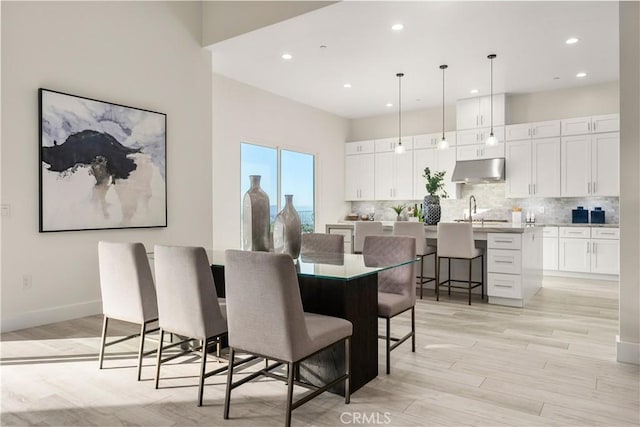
x=242 y=113
x=521 y=108
x=142 y=54
x=629 y=339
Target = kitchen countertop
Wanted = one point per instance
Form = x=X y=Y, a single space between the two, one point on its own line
x=488 y=227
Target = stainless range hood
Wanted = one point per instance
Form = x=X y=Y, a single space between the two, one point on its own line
x=476 y=171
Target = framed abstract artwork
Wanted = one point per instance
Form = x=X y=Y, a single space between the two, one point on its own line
x=102 y=165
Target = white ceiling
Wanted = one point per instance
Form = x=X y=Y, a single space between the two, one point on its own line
x=528 y=37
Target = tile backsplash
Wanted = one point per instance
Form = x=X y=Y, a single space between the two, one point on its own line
x=492 y=204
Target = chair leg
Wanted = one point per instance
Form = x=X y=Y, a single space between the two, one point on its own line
x=105 y=322
x=388 y=345
x=159 y=357
x=347 y=364
x=227 y=395
x=482 y=275
x=470 y=269
x=449 y=282
x=290 y=370
x=421 y=275
x=413 y=329
x=143 y=331
x=435 y=264
x=218 y=349
x=202 y=371
x=437 y=278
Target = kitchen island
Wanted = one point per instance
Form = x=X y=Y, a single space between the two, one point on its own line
x=513 y=259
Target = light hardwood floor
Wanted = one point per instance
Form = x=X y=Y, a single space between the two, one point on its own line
x=552 y=363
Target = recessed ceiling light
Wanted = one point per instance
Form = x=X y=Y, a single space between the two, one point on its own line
x=388 y=104
x=473 y=91
x=418 y=99
x=579 y=75
x=572 y=40
x=556 y=78
x=287 y=56
x=347 y=85
x=397 y=27
x=323 y=46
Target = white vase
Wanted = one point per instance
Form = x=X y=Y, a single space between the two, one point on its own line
x=255 y=218
x=287 y=230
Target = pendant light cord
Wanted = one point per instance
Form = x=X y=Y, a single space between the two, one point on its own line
x=399 y=75
x=444 y=67
x=492 y=57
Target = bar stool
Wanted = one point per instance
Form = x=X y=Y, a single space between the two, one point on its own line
x=363 y=229
x=416 y=229
x=455 y=241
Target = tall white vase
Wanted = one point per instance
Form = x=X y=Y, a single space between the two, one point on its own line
x=255 y=218
x=287 y=230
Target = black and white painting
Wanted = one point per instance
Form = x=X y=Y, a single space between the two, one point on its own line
x=102 y=165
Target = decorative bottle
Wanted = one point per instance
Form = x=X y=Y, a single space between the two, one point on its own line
x=255 y=218
x=287 y=230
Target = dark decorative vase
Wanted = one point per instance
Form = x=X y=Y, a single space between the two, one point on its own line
x=432 y=210
x=255 y=218
x=287 y=230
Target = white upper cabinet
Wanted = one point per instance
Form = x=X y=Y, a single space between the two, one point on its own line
x=436 y=160
x=432 y=140
x=591 y=124
x=359 y=172
x=605 y=164
x=479 y=136
x=547 y=129
x=393 y=171
x=476 y=112
x=590 y=165
x=480 y=151
x=359 y=147
x=533 y=168
x=387 y=145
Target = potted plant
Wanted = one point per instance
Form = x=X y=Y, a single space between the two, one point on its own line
x=435 y=188
x=398 y=209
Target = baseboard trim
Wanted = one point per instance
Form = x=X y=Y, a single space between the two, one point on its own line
x=30 y=319
x=627 y=352
x=554 y=273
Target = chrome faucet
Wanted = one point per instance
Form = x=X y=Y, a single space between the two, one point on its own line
x=472 y=197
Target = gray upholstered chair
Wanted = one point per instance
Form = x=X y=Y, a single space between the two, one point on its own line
x=362 y=229
x=128 y=293
x=187 y=303
x=455 y=241
x=396 y=286
x=266 y=318
x=416 y=229
x=314 y=243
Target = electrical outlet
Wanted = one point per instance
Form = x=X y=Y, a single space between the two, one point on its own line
x=541 y=209
x=26 y=282
x=5 y=210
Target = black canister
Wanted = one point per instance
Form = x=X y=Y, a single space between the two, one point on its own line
x=597 y=216
x=580 y=215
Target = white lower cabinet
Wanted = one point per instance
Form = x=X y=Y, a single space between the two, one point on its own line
x=514 y=266
x=595 y=250
x=550 y=248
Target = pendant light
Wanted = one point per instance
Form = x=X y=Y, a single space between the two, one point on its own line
x=399 y=148
x=444 y=144
x=492 y=140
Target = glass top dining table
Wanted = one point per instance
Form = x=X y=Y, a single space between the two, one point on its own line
x=329 y=266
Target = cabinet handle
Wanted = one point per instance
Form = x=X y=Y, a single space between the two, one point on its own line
x=534 y=189
x=529 y=189
x=607 y=233
x=503 y=241
x=588 y=245
x=595 y=249
x=574 y=232
x=503 y=286
x=594 y=126
x=503 y=262
x=534 y=131
x=529 y=131
x=589 y=126
x=476 y=120
x=594 y=187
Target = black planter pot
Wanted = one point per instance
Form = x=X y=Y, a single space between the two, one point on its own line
x=432 y=210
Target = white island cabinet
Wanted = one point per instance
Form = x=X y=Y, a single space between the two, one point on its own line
x=514 y=266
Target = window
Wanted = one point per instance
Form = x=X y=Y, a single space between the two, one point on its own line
x=283 y=172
